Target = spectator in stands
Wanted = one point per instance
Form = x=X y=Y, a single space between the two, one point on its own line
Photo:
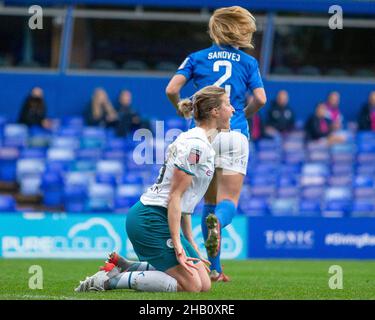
x=366 y=117
x=320 y=126
x=101 y=112
x=129 y=119
x=280 y=116
x=33 y=111
x=333 y=110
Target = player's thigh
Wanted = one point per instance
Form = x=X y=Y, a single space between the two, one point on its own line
x=204 y=276
x=186 y=281
x=210 y=196
x=229 y=185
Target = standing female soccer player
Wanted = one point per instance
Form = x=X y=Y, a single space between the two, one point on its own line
x=224 y=64
x=153 y=224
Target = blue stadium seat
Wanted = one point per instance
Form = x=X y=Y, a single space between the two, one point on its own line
x=127 y=195
x=319 y=156
x=363 y=208
x=254 y=207
x=7 y=204
x=30 y=185
x=116 y=144
x=75 y=197
x=33 y=153
x=366 y=169
x=284 y=207
x=8 y=161
x=315 y=169
x=338 y=201
x=89 y=154
x=78 y=178
x=15 y=135
x=310 y=208
x=294 y=157
x=106 y=178
x=65 y=143
x=69 y=132
x=100 y=197
x=114 y=154
x=364 y=187
x=52 y=187
x=340 y=180
x=73 y=122
x=83 y=165
x=27 y=168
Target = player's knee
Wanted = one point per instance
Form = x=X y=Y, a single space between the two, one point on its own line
x=194 y=285
x=206 y=285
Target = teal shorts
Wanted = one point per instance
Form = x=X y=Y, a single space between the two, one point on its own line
x=148 y=230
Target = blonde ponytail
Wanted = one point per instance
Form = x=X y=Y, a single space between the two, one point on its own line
x=185 y=107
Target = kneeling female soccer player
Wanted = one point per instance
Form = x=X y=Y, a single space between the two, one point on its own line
x=154 y=223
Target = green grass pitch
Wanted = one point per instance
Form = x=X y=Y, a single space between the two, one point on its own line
x=251 y=279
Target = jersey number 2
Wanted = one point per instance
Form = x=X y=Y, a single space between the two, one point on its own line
x=225 y=76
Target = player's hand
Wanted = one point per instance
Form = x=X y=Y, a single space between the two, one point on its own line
x=183 y=260
x=205 y=262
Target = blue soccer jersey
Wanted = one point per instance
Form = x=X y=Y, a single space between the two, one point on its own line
x=227 y=67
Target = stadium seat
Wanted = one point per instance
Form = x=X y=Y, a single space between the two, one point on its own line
x=114 y=154
x=254 y=207
x=100 y=197
x=282 y=70
x=8 y=163
x=135 y=65
x=166 y=66
x=15 y=135
x=75 y=197
x=52 y=187
x=89 y=154
x=27 y=168
x=315 y=169
x=364 y=187
x=309 y=208
x=338 y=201
x=309 y=71
x=363 y=208
x=337 y=72
x=127 y=195
x=106 y=178
x=65 y=143
x=284 y=207
x=7 y=204
x=73 y=122
x=30 y=186
x=102 y=64
x=33 y=153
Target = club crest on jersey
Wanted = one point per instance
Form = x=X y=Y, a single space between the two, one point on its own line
x=194 y=156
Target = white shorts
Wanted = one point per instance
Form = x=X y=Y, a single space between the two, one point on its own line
x=232 y=151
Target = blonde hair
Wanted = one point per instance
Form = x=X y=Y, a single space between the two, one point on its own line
x=202 y=103
x=233 y=26
x=100 y=104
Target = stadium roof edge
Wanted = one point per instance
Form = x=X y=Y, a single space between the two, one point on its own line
x=349 y=6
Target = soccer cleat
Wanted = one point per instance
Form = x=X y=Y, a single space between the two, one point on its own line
x=113 y=257
x=212 y=243
x=107 y=267
x=96 y=282
x=218 y=277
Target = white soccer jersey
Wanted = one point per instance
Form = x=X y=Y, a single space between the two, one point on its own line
x=192 y=153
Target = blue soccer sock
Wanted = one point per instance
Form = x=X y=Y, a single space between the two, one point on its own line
x=224 y=211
